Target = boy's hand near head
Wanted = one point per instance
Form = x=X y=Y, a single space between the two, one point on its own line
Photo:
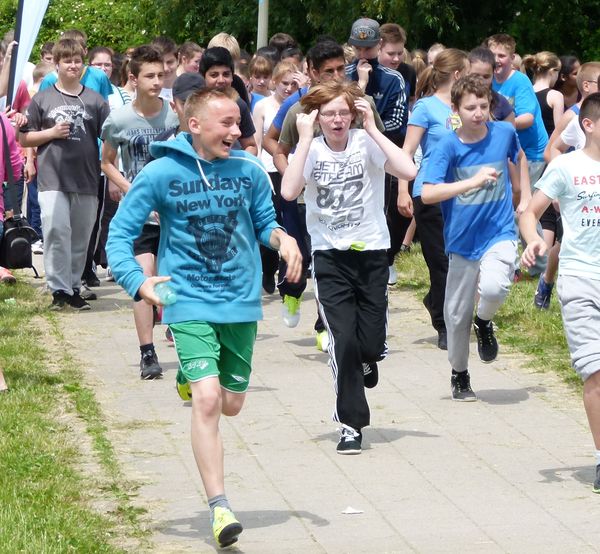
x=305 y=123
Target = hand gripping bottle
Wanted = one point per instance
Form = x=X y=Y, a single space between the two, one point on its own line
x=165 y=293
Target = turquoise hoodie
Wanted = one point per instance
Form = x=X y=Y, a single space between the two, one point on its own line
x=212 y=217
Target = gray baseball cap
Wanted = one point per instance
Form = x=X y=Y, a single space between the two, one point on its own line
x=365 y=32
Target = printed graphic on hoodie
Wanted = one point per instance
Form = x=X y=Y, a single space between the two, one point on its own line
x=213 y=236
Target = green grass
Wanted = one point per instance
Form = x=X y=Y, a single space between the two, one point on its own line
x=536 y=333
x=56 y=462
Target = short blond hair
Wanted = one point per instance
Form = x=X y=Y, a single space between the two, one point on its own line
x=226 y=41
x=200 y=98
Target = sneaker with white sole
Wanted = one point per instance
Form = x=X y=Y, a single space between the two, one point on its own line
x=86 y=293
x=460 y=385
x=37 y=247
x=149 y=367
x=350 y=440
x=290 y=310
x=323 y=340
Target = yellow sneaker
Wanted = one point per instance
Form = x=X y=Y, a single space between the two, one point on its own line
x=183 y=386
x=226 y=528
x=323 y=340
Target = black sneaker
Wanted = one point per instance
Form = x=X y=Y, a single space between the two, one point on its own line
x=149 y=366
x=59 y=300
x=596 y=487
x=487 y=345
x=90 y=279
x=371 y=374
x=77 y=303
x=442 y=343
x=350 y=441
x=86 y=293
x=460 y=384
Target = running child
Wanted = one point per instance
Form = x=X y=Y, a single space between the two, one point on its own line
x=209 y=254
x=573 y=180
x=344 y=170
x=472 y=175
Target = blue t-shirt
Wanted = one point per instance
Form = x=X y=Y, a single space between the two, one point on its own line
x=287 y=104
x=92 y=78
x=438 y=120
x=518 y=90
x=476 y=220
x=254 y=98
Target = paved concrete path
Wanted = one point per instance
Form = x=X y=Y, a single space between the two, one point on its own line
x=510 y=473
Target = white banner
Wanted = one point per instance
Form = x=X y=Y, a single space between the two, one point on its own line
x=29 y=16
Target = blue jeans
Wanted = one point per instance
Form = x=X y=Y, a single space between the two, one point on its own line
x=34 y=215
x=8 y=196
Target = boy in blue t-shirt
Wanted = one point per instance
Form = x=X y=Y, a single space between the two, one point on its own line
x=472 y=176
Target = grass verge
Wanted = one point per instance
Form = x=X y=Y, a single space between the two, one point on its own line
x=536 y=333
x=56 y=493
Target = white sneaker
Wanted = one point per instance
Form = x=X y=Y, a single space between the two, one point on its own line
x=37 y=247
x=290 y=310
x=393 y=276
x=109 y=275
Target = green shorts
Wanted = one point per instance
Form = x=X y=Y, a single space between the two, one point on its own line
x=222 y=350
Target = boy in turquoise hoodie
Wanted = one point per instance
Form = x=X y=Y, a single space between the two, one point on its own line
x=214 y=205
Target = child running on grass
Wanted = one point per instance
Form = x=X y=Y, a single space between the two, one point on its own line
x=471 y=176
x=574 y=180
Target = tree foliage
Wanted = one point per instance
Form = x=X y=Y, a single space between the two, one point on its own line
x=535 y=24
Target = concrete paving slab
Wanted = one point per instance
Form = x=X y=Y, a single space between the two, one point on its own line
x=510 y=473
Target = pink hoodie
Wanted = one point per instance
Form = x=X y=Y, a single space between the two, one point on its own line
x=15 y=158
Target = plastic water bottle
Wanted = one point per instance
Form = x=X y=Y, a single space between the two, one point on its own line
x=165 y=293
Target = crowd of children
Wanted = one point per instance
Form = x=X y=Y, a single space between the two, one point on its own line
x=227 y=176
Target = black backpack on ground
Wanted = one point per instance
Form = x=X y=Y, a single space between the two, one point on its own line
x=15 y=248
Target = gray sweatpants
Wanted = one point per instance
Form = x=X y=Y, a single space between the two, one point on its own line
x=67 y=222
x=580 y=306
x=536 y=169
x=491 y=277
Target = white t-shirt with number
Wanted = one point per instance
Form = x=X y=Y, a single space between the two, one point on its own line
x=574 y=180
x=345 y=195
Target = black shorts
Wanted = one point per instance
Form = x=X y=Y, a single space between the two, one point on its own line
x=551 y=221
x=147 y=242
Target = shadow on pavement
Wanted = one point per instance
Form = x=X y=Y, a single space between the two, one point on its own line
x=198 y=526
x=376 y=435
x=583 y=474
x=506 y=396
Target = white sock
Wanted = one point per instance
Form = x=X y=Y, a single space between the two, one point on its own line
x=598 y=457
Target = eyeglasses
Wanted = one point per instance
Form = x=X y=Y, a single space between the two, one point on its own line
x=342 y=114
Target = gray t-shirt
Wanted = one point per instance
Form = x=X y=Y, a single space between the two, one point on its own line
x=71 y=164
x=133 y=133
